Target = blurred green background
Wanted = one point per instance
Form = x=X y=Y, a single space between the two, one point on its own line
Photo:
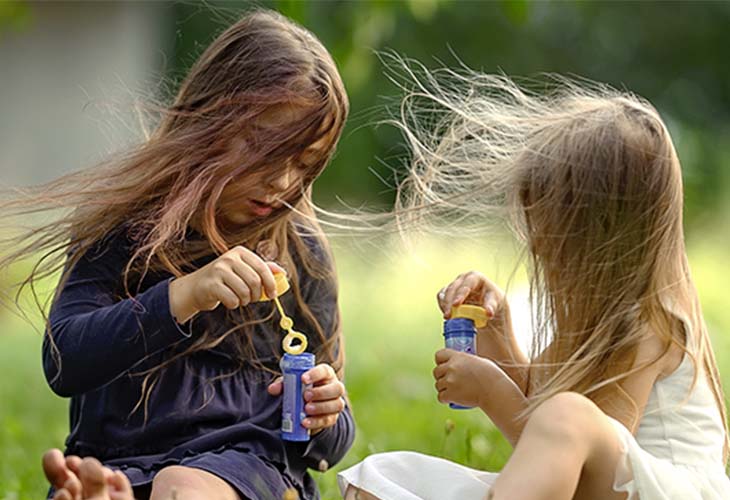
x=674 y=54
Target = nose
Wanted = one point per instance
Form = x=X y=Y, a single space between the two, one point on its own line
x=281 y=181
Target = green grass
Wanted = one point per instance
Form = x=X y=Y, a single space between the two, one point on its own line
x=391 y=328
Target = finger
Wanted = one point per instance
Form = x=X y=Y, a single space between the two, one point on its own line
x=450 y=293
x=440 y=371
x=226 y=296
x=321 y=373
x=264 y=276
x=275 y=268
x=491 y=303
x=443 y=396
x=250 y=278
x=243 y=290
x=440 y=385
x=320 y=422
x=443 y=355
x=472 y=286
x=441 y=299
x=276 y=387
x=54 y=467
x=325 y=392
x=324 y=407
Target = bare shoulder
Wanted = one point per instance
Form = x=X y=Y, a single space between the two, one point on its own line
x=664 y=355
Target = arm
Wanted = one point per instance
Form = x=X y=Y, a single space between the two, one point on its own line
x=502 y=401
x=474 y=381
x=96 y=338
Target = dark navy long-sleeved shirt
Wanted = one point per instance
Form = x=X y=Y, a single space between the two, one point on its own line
x=204 y=401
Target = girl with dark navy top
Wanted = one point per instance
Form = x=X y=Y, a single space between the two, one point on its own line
x=155 y=332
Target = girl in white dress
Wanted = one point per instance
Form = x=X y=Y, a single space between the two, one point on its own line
x=620 y=397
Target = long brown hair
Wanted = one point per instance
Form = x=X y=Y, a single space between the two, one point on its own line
x=156 y=189
x=588 y=179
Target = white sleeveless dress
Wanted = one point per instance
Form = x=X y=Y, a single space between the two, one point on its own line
x=677 y=454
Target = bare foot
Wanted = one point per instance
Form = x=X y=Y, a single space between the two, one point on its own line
x=60 y=475
x=84 y=479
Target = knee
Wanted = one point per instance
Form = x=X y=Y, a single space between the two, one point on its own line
x=170 y=480
x=567 y=417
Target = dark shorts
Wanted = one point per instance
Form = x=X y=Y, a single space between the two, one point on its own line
x=253 y=477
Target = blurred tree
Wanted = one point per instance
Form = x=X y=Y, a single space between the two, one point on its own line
x=14 y=15
x=674 y=55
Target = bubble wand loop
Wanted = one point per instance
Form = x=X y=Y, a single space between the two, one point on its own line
x=286 y=323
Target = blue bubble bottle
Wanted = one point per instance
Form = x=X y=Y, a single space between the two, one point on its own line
x=460 y=332
x=293 y=366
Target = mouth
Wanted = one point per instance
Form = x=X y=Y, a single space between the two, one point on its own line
x=261 y=208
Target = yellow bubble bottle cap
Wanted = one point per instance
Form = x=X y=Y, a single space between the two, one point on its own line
x=282 y=285
x=475 y=313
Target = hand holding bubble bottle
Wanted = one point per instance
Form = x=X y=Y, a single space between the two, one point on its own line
x=460 y=332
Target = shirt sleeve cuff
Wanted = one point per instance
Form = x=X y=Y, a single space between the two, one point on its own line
x=167 y=322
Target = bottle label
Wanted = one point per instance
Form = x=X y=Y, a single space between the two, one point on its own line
x=292 y=412
x=286 y=423
x=463 y=344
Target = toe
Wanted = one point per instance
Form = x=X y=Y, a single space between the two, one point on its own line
x=62 y=494
x=120 y=487
x=73 y=486
x=54 y=467
x=73 y=462
x=93 y=480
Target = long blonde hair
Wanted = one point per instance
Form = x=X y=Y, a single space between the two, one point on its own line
x=588 y=179
x=154 y=189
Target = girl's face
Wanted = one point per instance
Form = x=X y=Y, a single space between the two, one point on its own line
x=259 y=194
